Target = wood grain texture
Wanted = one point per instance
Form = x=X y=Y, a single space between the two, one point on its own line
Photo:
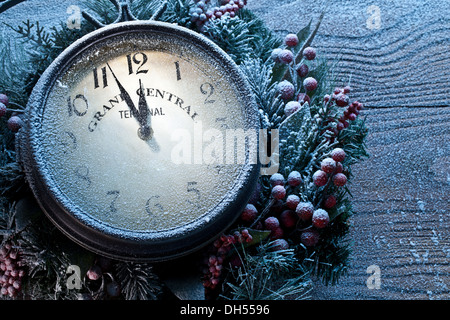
x=401 y=193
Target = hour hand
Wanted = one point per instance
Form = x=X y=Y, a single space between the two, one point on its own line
x=145 y=132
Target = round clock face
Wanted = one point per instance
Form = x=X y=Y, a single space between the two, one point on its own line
x=137 y=141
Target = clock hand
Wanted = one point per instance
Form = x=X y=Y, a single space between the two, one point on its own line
x=125 y=95
x=145 y=132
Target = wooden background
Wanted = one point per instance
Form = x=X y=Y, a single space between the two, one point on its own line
x=401 y=72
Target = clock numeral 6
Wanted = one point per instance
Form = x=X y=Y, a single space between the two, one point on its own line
x=153 y=206
x=78 y=106
x=115 y=195
x=193 y=190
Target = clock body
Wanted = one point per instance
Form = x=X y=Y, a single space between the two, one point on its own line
x=116 y=192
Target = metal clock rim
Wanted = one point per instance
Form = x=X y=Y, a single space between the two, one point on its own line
x=105 y=244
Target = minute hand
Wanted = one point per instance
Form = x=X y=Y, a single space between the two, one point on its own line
x=126 y=96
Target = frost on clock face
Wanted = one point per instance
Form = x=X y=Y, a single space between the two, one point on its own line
x=112 y=179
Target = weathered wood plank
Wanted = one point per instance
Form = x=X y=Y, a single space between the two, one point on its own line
x=401 y=196
x=403 y=63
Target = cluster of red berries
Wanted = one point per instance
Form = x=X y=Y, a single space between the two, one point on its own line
x=205 y=10
x=14 y=122
x=331 y=168
x=221 y=249
x=287 y=89
x=11 y=271
x=351 y=110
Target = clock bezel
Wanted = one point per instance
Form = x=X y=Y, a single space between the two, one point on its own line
x=129 y=248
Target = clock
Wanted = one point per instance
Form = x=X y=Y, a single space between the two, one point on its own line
x=138 y=141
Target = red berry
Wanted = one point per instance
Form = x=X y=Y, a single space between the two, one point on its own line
x=3 y=109
x=342 y=100
x=302 y=70
x=292 y=201
x=271 y=223
x=4 y=99
x=278 y=192
x=294 y=179
x=339 y=167
x=347 y=89
x=338 y=154
x=351 y=117
x=14 y=123
x=277 y=233
x=328 y=165
x=309 y=53
x=279 y=244
x=286 y=90
x=303 y=97
x=291 y=40
x=277 y=179
x=310 y=84
x=320 y=218
x=275 y=55
x=326 y=98
x=309 y=237
x=286 y=56
x=330 y=202
x=339 y=179
x=320 y=178
x=291 y=107
x=305 y=210
x=94 y=273
x=250 y=213
x=288 y=219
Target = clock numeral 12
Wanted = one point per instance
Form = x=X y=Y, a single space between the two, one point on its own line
x=136 y=59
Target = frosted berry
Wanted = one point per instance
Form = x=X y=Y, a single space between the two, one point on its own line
x=309 y=237
x=277 y=233
x=275 y=55
x=305 y=210
x=330 y=202
x=291 y=40
x=320 y=218
x=94 y=273
x=328 y=165
x=339 y=167
x=320 y=178
x=294 y=179
x=286 y=90
x=292 y=201
x=351 y=117
x=338 y=154
x=326 y=98
x=278 y=192
x=286 y=56
x=342 y=100
x=291 y=107
x=279 y=244
x=309 y=53
x=302 y=70
x=271 y=223
x=250 y=213
x=339 y=179
x=347 y=89
x=288 y=219
x=310 y=83
x=277 y=179
x=303 y=97
x=4 y=99
x=14 y=123
x=3 y=109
